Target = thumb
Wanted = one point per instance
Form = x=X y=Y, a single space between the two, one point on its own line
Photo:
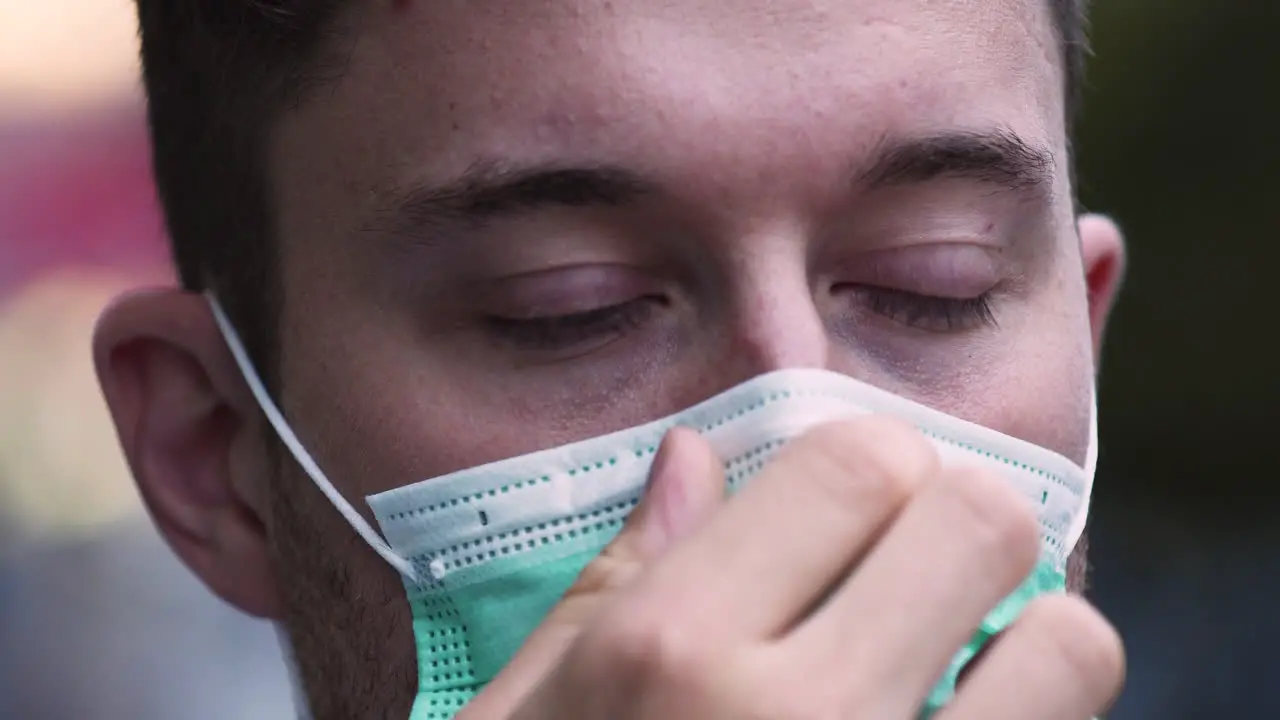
x=686 y=485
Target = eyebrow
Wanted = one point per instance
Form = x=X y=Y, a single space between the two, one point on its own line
x=489 y=191
x=998 y=157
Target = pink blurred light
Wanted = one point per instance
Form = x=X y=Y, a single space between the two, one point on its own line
x=77 y=193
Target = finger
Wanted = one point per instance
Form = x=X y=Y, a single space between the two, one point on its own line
x=1059 y=661
x=686 y=485
x=769 y=555
x=965 y=542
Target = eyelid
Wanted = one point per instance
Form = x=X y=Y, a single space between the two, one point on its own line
x=956 y=270
x=557 y=334
x=564 y=291
x=931 y=313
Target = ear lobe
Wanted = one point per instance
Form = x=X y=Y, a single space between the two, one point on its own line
x=1103 y=252
x=191 y=435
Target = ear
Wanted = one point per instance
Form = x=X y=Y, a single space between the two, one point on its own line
x=193 y=440
x=1102 y=249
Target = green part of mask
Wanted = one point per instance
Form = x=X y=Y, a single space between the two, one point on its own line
x=509 y=597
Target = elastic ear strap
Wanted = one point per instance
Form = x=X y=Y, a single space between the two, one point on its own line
x=300 y=454
x=1091 y=459
x=1090 y=470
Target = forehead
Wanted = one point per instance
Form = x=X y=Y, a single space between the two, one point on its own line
x=744 y=88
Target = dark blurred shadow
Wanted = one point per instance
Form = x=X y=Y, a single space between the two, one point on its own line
x=1180 y=143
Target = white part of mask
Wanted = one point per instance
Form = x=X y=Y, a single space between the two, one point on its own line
x=439 y=524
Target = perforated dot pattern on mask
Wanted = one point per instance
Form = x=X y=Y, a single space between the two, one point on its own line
x=606 y=462
x=445 y=679
x=611 y=517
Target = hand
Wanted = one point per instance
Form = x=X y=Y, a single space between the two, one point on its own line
x=838 y=584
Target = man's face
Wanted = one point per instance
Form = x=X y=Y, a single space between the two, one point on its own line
x=512 y=225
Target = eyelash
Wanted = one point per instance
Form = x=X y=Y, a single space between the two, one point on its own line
x=928 y=312
x=557 y=332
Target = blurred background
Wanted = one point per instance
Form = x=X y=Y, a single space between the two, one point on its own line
x=1179 y=142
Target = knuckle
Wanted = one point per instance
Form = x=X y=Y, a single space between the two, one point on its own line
x=599 y=581
x=647 y=646
x=999 y=521
x=823 y=706
x=1089 y=648
x=797 y=706
x=872 y=459
x=607 y=572
x=802 y=710
x=786 y=690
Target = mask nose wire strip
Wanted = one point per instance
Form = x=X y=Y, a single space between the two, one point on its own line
x=276 y=418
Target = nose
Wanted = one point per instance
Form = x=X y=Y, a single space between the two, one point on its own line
x=772 y=320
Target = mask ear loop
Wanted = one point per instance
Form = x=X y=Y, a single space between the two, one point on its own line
x=300 y=454
x=1090 y=470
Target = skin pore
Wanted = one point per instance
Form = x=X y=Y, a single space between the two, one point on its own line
x=513 y=225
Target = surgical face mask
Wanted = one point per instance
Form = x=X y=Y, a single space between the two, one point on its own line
x=486 y=552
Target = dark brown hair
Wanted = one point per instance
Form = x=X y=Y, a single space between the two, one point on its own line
x=218 y=73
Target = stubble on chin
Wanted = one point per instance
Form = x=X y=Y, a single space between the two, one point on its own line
x=1078 y=567
x=346 y=614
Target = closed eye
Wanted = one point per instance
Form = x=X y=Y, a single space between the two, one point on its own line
x=928 y=312
x=562 y=332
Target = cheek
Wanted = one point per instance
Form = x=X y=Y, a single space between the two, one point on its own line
x=1030 y=379
x=1040 y=389
x=373 y=418
x=1046 y=404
